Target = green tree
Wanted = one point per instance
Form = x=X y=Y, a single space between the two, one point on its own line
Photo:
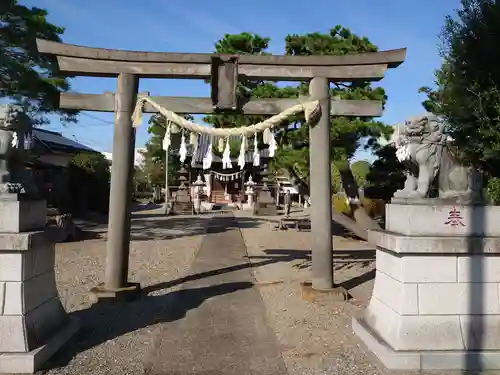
x=90 y=176
x=335 y=178
x=347 y=133
x=386 y=175
x=467 y=86
x=94 y=163
x=154 y=156
x=28 y=78
x=360 y=170
x=493 y=191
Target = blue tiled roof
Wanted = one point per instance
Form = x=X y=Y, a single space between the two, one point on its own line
x=56 y=140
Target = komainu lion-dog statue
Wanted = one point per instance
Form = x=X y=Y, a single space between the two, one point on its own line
x=432 y=169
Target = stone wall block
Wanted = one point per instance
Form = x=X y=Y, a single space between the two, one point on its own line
x=430 y=220
x=417 y=269
x=44 y=321
x=458 y=298
x=401 y=297
x=12 y=337
x=14 y=298
x=13 y=266
x=414 y=332
x=39 y=290
x=22 y=215
x=43 y=257
x=479 y=269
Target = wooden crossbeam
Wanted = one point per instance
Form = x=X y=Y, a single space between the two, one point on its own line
x=76 y=66
x=192 y=105
x=391 y=58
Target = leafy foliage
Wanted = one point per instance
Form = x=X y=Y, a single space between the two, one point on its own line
x=386 y=175
x=467 y=92
x=90 y=172
x=347 y=133
x=493 y=191
x=94 y=163
x=360 y=170
x=26 y=77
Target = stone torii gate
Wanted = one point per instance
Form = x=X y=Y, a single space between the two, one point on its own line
x=224 y=72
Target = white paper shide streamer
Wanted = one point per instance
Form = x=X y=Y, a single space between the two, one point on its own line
x=15 y=140
x=207 y=159
x=227 y=177
x=166 y=139
x=243 y=151
x=183 y=149
x=273 y=146
x=174 y=121
x=256 y=153
x=226 y=156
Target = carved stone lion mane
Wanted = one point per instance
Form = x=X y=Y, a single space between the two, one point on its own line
x=433 y=171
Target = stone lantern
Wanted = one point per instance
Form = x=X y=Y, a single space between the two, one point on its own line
x=197 y=191
x=183 y=204
x=250 y=191
x=265 y=205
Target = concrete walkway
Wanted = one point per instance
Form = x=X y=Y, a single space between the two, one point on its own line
x=224 y=330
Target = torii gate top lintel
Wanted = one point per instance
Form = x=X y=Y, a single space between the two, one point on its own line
x=224 y=71
x=392 y=58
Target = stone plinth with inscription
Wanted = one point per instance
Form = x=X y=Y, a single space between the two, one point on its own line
x=435 y=304
x=33 y=323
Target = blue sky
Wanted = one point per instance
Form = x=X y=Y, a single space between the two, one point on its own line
x=194 y=26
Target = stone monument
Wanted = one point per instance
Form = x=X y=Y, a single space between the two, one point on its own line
x=33 y=323
x=265 y=205
x=435 y=303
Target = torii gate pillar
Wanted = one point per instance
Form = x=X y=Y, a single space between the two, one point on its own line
x=117 y=251
x=321 y=191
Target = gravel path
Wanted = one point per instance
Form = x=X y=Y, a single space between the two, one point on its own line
x=219 y=324
x=114 y=340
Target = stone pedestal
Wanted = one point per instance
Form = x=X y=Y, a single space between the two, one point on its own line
x=33 y=323
x=249 y=204
x=435 y=304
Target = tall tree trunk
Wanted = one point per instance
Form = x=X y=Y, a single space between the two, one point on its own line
x=351 y=188
x=350 y=225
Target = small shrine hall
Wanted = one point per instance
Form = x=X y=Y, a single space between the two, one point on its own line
x=224 y=180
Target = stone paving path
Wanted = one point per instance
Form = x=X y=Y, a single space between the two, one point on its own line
x=224 y=330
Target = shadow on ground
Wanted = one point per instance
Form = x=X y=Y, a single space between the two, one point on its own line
x=154 y=227
x=107 y=320
x=342 y=259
